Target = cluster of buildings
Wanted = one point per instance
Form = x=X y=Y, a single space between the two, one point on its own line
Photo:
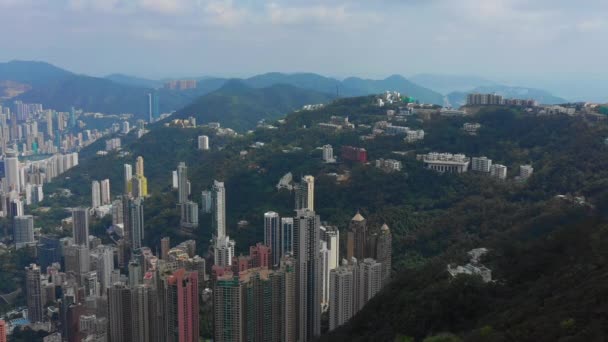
x=474 y=267
x=471 y=128
x=477 y=99
x=23 y=181
x=337 y=123
x=459 y=163
x=388 y=165
x=387 y=128
x=354 y=154
x=80 y=288
x=388 y=97
x=180 y=84
x=279 y=291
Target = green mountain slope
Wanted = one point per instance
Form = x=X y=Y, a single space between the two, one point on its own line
x=240 y=107
x=547 y=255
x=32 y=73
x=446 y=84
x=134 y=81
x=395 y=82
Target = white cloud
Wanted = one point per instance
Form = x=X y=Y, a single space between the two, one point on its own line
x=280 y=14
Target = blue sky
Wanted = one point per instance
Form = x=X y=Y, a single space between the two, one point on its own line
x=498 y=39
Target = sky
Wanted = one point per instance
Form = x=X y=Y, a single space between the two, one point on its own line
x=505 y=40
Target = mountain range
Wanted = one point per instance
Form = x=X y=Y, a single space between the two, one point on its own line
x=39 y=82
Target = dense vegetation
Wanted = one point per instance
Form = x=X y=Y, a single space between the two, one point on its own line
x=240 y=107
x=547 y=254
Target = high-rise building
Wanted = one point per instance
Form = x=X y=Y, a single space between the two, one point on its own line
x=77 y=261
x=49 y=250
x=80 y=224
x=182 y=302
x=256 y=304
x=120 y=313
x=341 y=292
x=219 y=208
x=165 y=246
x=182 y=181
x=370 y=280
x=324 y=267
x=328 y=154
x=102 y=261
x=383 y=252
x=203 y=142
x=305 y=193
x=128 y=174
x=206 y=201
x=105 y=192
x=272 y=235
x=136 y=217
x=117 y=212
x=308 y=277
x=12 y=173
x=33 y=289
x=144 y=309
x=95 y=194
x=139 y=166
x=2 y=331
x=223 y=251
x=153 y=106
x=23 y=230
x=189 y=216
x=286 y=236
x=356 y=243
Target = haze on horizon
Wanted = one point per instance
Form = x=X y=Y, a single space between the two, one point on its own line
x=543 y=43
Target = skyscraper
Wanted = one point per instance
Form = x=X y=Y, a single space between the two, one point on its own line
x=95 y=194
x=308 y=277
x=206 y=202
x=305 y=194
x=33 y=289
x=102 y=261
x=383 y=252
x=286 y=236
x=182 y=183
x=219 y=208
x=120 y=313
x=227 y=306
x=139 y=166
x=165 y=246
x=189 y=216
x=12 y=174
x=182 y=299
x=136 y=217
x=2 y=331
x=144 y=310
x=105 y=192
x=341 y=292
x=356 y=244
x=139 y=185
x=370 y=280
x=23 y=227
x=80 y=224
x=128 y=174
x=153 y=106
x=272 y=235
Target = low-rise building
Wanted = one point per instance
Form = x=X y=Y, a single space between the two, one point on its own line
x=481 y=164
x=388 y=165
x=498 y=171
x=445 y=162
x=471 y=128
x=525 y=171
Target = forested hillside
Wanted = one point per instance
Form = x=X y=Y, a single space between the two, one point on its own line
x=546 y=253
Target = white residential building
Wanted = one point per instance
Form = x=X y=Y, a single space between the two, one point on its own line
x=481 y=164
x=499 y=171
x=525 y=171
x=105 y=192
x=95 y=195
x=445 y=162
x=328 y=154
x=203 y=142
